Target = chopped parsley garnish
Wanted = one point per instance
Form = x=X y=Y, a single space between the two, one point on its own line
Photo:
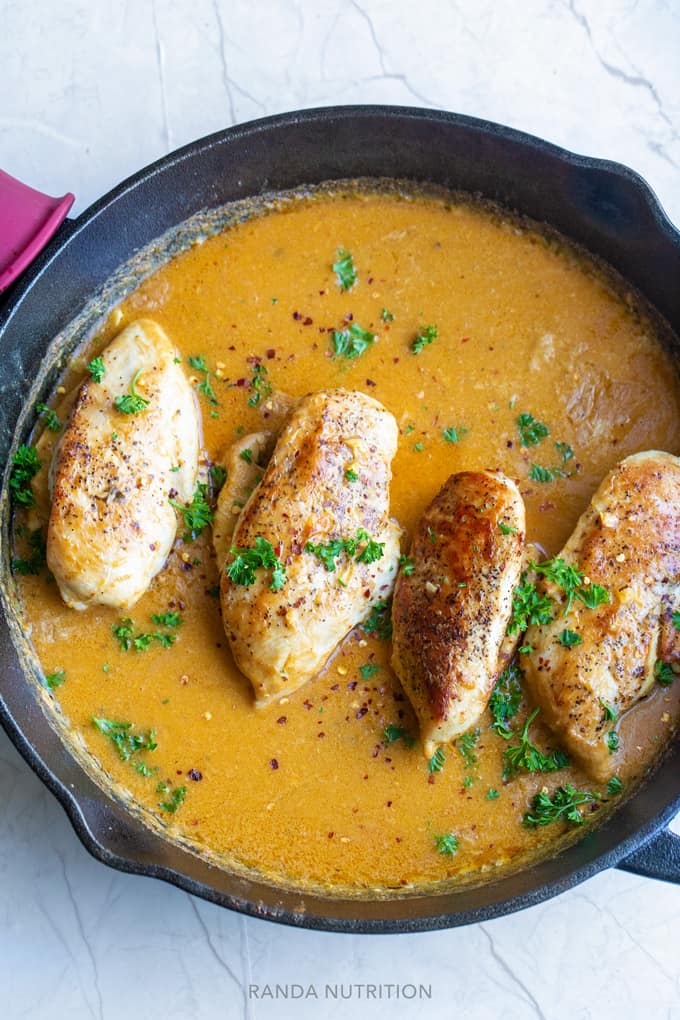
x=169 y=619
x=466 y=745
x=505 y=699
x=386 y=315
x=526 y=755
x=259 y=384
x=56 y=679
x=614 y=786
x=125 y=740
x=175 y=799
x=247 y=456
x=432 y=535
x=369 y=669
x=50 y=417
x=392 y=733
x=369 y=550
x=531 y=431
x=132 y=402
x=565 y=451
x=612 y=741
x=25 y=466
x=379 y=622
x=260 y=556
x=426 y=335
x=528 y=607
x=569 y=638
x=525 y=649
x=418 y=447
x=507 y=529
x=541 y=474
x=447 y=844
x=407 y=565
x=610 y=712
x=663 y=674
x=492 y=794
x=676 y=621
x=351 y=476
x=564 y=804
x=97 y=369
x=197 y=514
x=570 y=579
x=345 y=269
x=436 y=762
x=455 y=434
x=36 y=561
x=197 y=362
x=218 y=476
x=352 y=342
x=126 y=636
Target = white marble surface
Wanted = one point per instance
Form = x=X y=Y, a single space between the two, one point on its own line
x=92 y=90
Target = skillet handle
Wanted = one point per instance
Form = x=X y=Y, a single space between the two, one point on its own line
x=659 y=858
x=28 y=219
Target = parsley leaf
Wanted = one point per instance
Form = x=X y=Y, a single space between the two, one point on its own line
x=531 y=431
x=676 y=621
x=454 y=435
x=392 y=733
x=352 y=342
x=97 y=369
x=436 y=762
x=386 y=315
x=505 y=699
x=526 y=755
x=218 y=476
x=614 y=785
x=541 y=474
x=528 y=607
x=197 y=514
x=369 y=669
x=570 y=579
x=407 y=565
x=125 y=740
x=345 y=269
x=663 y=674
x=51 y=420
x=176 y=798
x=447 y=844
x=36 y=561
x=379 y=622
x=569 y=638
x=53 y=680
x=507 y=529
x=351 y=476
x=328 y=553
x=565 y=451
x=564 y=803
x=425 y=336
x=259 y=384
x=466 y=746
x=612 y=741
x=132 y=402
x=169 y=619
x=197 y=362
x=610 y=712
x=25 y=465
x=249 y=559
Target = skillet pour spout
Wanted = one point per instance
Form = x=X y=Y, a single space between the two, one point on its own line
x=605 y=207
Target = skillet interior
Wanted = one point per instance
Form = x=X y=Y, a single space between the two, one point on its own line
x=604 y=207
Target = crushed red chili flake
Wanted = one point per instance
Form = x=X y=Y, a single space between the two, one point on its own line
x=335 y=687
x=281 y=719
x=307 y=321
x=271 y=353
x=352 y=684
x=307 y=703
x=322 y=734
x=297 y=316
x=361 y=713
x=369 y=382
x=195 y=775
x=274 y=763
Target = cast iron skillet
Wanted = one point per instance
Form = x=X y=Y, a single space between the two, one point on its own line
x=604 y=206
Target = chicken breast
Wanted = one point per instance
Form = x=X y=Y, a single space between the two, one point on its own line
x=450 y=614
x=111 y=524
x=628 y=540
x=324 y=494
x=244 y=462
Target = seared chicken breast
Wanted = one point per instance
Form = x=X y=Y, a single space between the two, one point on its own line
x=628 y=540
x=322 y=509
x=113 y=473
x=450 y=613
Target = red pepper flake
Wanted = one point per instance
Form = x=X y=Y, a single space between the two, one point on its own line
x=297 y=316
x=361 y=713
x=389 y=803
x=307 y=321
x=243 y=382
x=352 y=684
x=281 y=719
x=321 y=734
x=195 y=775
x=546 y=506
x=307 y=703
x=271 y=353
x=369 y=382
x=274 y=763
x=330 y=835
x=335 y=687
